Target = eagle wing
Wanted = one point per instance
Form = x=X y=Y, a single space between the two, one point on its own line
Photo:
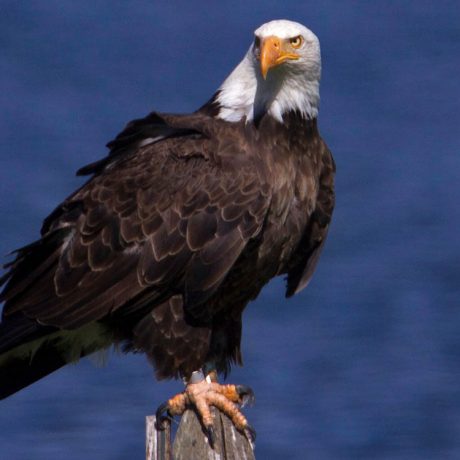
x=165 y=218
x=307 y=254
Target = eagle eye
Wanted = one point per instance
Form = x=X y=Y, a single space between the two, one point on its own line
x=296 y=42
x=256 y=47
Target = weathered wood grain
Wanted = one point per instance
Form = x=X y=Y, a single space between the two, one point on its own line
x=157 y=443
x=191 y=443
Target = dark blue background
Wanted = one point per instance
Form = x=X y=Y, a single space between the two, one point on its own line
x=365 y=362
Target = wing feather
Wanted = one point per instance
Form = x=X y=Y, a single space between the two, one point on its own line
x=315 y=234
x=167 y=218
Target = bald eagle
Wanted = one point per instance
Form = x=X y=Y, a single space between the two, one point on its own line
x=178 y=228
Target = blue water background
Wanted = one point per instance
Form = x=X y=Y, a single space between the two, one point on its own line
x=364 y=364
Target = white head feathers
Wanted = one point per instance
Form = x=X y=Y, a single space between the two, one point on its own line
x=291 y=84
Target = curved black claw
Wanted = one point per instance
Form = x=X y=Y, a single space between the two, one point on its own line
x=211 y=435
x=246 y=394
x=250 y=433
x=160 y=417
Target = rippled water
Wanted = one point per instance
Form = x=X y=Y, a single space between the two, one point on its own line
x=365 y=362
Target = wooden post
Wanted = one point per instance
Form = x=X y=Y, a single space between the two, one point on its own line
x=191 y=443
x=157 y=443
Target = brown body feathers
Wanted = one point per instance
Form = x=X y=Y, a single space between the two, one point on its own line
x=174 y=233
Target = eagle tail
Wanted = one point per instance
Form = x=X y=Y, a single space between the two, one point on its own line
x=27 y=353
x=20 y=371
x=30 y=351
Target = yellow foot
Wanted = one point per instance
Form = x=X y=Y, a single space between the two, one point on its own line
x=204 y=394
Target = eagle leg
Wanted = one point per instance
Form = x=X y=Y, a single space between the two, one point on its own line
x=201 y=394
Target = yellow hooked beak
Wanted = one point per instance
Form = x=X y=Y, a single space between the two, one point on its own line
x=273 y=53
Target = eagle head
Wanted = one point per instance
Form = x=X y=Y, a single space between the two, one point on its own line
x=280 y=73
x=288 y=47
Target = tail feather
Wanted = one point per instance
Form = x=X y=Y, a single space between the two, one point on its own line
x=26 y=353
x=18 y=372
x=17 y=330
x=30 y=351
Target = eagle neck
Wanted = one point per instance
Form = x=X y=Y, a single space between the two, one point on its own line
x=246 y=95
x=294 y=125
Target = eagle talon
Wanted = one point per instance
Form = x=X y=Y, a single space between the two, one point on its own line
x=250 y=433
x=246 y=395
x=211 y=434
x=160 y=417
